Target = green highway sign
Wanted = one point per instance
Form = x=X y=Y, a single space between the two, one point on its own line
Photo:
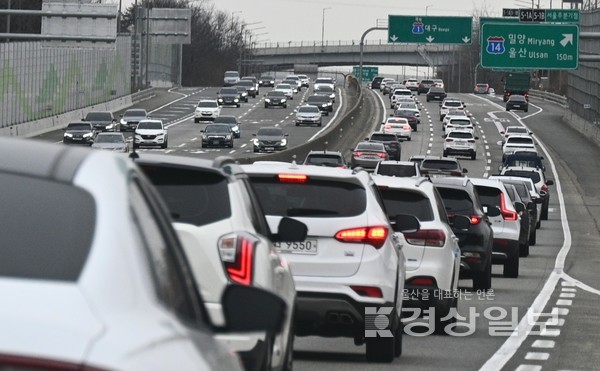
x=484 y=20
x=429 y=30
x=530 y=46
x=368 y=73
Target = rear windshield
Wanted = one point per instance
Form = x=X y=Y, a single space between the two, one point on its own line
x=526 y=161
x=399 y=201
x=439 y=164
x=453 y=103
x=482 y=85
x=384 y=137
x=460 y=122
x=217 y=129
x=460 y=135
x=324 y=160
x=456 y=201
x=489 y=196
x=370 y=147
x=98 y=116
x=226 y=120
x=245 y=83
x=43 y=237
x=524 y=174
x=192 y=196
x=518 y=140
x=402 y=92
x=397 y=170
x=232 y=74
x=315 y=198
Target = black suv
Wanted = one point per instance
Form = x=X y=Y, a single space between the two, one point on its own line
x=322 y=102
x=102 y=120
x=376 y=83
x=391 y=143
x=266 y=81
x=79 y=133
x=436 y=93
x=460 y=198
x=217 y=135
x=436 y=166
x=250 y=87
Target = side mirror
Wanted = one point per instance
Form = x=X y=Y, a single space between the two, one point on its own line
x=502 y=132
x=290 y=230
x=520 y=207
x=465 y=171
x=253 y=135
x=391 y=115
x=405 y=223
x=286 y=134
x=549 y=182
x=491 y=211
x=499 y=143
x=202 y=131
x=477 y=138
x=249 y=308
x=461 y=222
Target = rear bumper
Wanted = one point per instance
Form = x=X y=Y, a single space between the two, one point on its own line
x=503 y=249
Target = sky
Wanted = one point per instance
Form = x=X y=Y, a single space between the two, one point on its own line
x=346 y=20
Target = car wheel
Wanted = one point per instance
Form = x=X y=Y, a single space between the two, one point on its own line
x=238 y=105
x=203 y=145
x=511 y=266
x=231 y=144
x=292 y=97
x=428 y=99
x=483 y=280
x=526 y=110
x=508 y=109
x=443 y=308
x=445 y=154
x=524 y=250
x=532 y=238
x=538 y=225
x=415 y=129
x=398 y=339
x=285 y=106
x=380 y=349
x=473 y=156
x=164 y=145
x=266 y=106
x=256 y=150
x=409 y=139
x=544 y=215
x=319 y=124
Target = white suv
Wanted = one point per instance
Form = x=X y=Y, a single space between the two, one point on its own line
x=460 y=142
x=400 y=93
x=432 y=253
x=227 y=240
x=514 y=143
x=448 y=104
x=351 y=265
x=539 y=180
x=151 y=133
x=506 y=226
x=207 y=109
x=412 y=84
x=459 y=123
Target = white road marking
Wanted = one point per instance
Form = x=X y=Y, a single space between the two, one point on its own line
x=169 y=151
x=550 y=332
x=529 y=368
x=561 y=311
x=568 y=289
x=547 y=344
x=535 y=356
x=243 y=145
x=555 y=322
x=232 y=151
x=194 y=139
x=567 y=295
x=181 y=145
x=567 y=283
x=564 y=302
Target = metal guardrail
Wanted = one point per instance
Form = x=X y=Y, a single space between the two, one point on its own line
x=562 y=100
x=142 y=95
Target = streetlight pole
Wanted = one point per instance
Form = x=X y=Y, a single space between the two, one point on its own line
x=362 y=43
x=323 y=28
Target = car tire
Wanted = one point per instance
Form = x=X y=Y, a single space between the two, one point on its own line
x=526 y=110
x=533 y=238
x=445 y=154
x=428 y=99
x=473 y=156
x=409 y=139
x=442 y=309
x=266 y=106
x=508 y=109
x=511 y=266
x=398 y=339
x=164 y=145
x=319 y=124
x=203 y=145
x=380 y=349
x=524 y=250
x=231 y=145
x=238 y=105
x=538 y=225
x=544 y=215
x=285 y=106
x=483 y=280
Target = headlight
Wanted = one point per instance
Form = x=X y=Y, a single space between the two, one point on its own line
x=88 y=135
x=284 y=142
x=203 y=136
x=236 y=100
x=272 y=82
x=68 y=135
x=235 y=128
x=255 y=141
x=220 y=99
x=332 y=96
x=324 y=105
x=198 y=110
x=160 y=135
x=123 y=122
x=228 y=137
x=267 y=100
x=283 y=101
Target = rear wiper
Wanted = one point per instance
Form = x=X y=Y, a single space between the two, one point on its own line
x=305 y=212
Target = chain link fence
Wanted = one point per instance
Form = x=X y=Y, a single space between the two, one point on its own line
x=38 y=81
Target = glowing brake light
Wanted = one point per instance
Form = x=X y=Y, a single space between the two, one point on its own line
x=357 y=154
x=388 y=126
x=368 y=291
x=292 y=178
x=475 y=220
x=237 y=254
x=506 y=214
x=544 y=188
x=382 y=155
x=375 y=236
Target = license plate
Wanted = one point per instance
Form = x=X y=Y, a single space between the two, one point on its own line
x=77 y=138
x=516 y=105
x=269 y=148
x=308 y=247
x=215 y=142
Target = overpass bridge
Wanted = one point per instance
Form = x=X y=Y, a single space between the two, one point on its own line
x=347 y=53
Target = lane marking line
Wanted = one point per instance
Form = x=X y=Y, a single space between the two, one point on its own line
x=537 y=356
x=547 y=344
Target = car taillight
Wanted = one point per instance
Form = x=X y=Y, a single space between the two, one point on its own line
x=544 y=188
x=369 y=291
x=14 y=362
x=237 y=254
x=388 y=127
x=357 y=154
x=292 y=178
x=382 y=155
x=422 y=281
x=407 y=127
x=475 y=219
x=456 y=173
x=426 y=237
x=375 y=236
x=507 y=214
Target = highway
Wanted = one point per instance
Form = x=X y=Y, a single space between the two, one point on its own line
x=559 y=277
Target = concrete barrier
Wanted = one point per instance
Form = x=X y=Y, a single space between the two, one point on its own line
x=549 y=96
x=48 y=124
